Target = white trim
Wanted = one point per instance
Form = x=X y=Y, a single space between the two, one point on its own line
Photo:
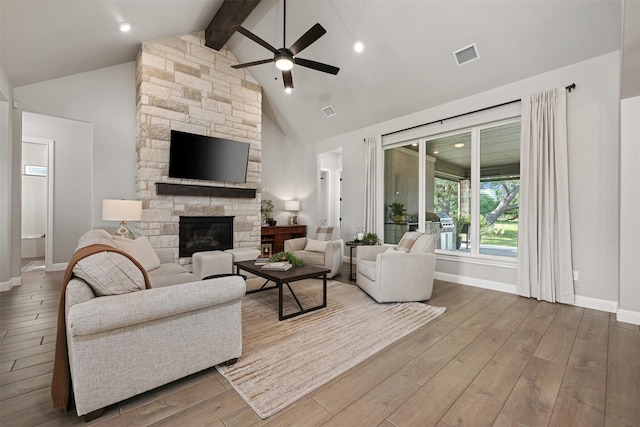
x=11 y=283
x=485 y=260
x=59 y=266
x=477 y=283
x=628 y=316
x=596 y=304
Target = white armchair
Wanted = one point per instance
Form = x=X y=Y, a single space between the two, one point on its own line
x=324 y=248
x=391 y=275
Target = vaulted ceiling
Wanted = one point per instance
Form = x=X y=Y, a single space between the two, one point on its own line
x=407 y=64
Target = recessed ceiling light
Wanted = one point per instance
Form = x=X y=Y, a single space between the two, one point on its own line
x=459 y=145
x=124 y=27
x=288 y=90
x=435 y=151
x=358 y=47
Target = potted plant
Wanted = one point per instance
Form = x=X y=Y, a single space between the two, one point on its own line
x=266 y=210
x=371 y=239
x=462 y=222
x=398 y=212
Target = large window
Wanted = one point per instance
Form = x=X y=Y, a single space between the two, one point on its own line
x=462 y=186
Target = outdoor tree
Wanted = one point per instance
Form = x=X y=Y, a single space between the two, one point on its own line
x=446 y=196
x=508 y=194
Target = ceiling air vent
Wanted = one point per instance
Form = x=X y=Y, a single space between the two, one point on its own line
x=329 y=111
x=466 y=54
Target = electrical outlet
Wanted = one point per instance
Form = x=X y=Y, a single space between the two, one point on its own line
x=575 y=275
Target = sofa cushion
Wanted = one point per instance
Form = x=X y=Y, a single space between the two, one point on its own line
x=170 y=274
x=324 y=233
x=140 y=249
x=109 y=273
x=316 y=245
x=95 y=237
x=393 y=250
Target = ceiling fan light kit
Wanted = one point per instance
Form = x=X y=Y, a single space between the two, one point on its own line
x=285 y=58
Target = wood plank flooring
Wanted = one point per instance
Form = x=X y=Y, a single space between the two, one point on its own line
x=491 y=359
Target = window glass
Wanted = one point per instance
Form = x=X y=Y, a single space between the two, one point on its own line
x=401 y=191
x=499 y=189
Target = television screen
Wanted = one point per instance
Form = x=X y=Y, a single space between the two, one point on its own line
x=207 y=158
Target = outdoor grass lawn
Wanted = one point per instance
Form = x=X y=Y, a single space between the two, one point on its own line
x=506 y=234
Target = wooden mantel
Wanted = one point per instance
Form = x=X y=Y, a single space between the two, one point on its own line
x=168 y=189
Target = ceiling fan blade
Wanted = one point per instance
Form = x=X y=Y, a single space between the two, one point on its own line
x=255 y=38
x=307 y=38
x=319 y=66
x=287 y=79
x=251 y=64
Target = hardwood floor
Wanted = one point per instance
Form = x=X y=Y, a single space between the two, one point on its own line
x=491 y=359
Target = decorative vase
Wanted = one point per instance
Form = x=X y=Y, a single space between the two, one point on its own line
x=272 y=222
x=458 y=242
x=398 y=218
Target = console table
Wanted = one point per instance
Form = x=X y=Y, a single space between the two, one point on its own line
x=277 y=234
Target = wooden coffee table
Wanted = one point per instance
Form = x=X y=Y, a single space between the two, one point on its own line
x=281 y=278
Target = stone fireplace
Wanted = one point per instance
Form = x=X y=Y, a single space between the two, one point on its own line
x=183 y=85
x=205 y=233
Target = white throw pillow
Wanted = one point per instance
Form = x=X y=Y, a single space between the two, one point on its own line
x=109 y=273
x=140 y=249
x=316 y=245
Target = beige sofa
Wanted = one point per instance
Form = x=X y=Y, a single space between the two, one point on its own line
x=390 y=275
x=123 y=345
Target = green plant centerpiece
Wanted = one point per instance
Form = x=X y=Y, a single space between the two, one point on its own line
x=371 y=239
x=266 y=210
x=398 y=212
x=288 y=256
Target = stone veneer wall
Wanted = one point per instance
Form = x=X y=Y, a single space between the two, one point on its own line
x=181 y=84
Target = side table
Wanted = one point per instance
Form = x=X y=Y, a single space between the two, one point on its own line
x=352 y=244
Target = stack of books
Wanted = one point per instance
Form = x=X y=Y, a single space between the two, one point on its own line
x=277 y=266
x=262 y=261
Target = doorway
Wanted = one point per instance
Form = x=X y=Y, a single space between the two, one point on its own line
x=36 y=169
x=330 y=188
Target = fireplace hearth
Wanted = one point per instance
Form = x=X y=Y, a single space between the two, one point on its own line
x=205 y=233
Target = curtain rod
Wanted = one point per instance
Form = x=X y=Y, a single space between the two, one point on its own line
x=569 y=88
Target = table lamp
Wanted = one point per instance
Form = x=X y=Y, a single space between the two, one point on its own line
x=123 y=211
x=292 y=206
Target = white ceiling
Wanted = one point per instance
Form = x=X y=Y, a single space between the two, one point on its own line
x=407 y=64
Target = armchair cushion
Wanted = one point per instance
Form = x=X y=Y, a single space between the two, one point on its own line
x=316 y=245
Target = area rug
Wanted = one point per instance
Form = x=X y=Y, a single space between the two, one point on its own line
x=284 y=361
x=37 y=265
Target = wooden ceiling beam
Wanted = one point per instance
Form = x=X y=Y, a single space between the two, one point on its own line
x=230 y=14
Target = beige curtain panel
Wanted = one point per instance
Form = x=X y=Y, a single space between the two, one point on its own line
x=544 y=240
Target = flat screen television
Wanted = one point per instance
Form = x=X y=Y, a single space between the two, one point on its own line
x=207 y=158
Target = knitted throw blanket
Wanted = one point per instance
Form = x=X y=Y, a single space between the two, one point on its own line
x=61 y=381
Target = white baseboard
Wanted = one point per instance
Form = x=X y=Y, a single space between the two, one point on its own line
x=628 y=316
x=14 y=281
x=596 y=304
x=478 y=283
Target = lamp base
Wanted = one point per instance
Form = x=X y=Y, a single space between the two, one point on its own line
x=123 y=231
x=293 y=220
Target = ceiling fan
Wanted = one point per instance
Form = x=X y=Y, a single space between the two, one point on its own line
x=286 y=58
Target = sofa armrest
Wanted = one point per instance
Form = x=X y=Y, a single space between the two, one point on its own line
x=369 y=252
x=297 y=244
x=117 y=311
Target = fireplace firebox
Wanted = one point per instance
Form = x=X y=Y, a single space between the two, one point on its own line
x=205 y=233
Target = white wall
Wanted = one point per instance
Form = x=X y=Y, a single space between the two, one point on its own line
x=72 y=177
x=629 y=208
x=34 y=191
x=593 y=126
x=281 y=180
x=105 y=98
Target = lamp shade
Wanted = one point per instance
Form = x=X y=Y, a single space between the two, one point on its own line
x=292 y=205
x=121 y=210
